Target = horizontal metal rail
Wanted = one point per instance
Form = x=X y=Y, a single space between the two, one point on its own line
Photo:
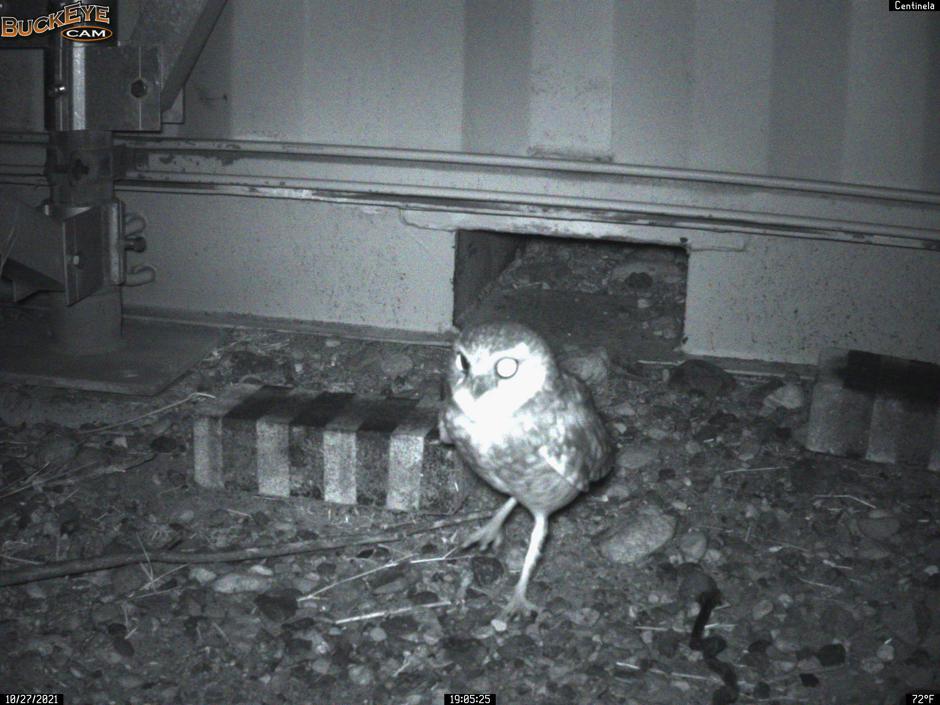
x=552 y=189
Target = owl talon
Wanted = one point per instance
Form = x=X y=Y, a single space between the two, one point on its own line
x=485 y=537
x=519 y=607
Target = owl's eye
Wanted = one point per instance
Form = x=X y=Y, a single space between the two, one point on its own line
x=463 y=364
x=506 y=367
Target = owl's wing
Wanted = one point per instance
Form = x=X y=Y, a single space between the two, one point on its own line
x=580 y=438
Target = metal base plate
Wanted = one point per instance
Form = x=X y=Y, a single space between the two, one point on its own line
x=154 y=355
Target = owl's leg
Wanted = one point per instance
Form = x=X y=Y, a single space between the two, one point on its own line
x=442 y=433
x=519 y=604
x=489 y=533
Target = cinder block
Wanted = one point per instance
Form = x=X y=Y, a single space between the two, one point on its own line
x=877 y=407
x=335 y=446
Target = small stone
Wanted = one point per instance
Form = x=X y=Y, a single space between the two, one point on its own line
x=787 y=640
x=164 y=444
x=122 y=647
x=872 y=664
x=902 y=618
x=241 y=582
x=643 y=303
x=36 y=591
x=623 y=272
x=636 y=455
x=879 y=525
x=590 y=366
x=761 y=609
x=789 y=396
x=886 y=652
x=622 y=410
x=703 y=378
x=872 y=552
x=584 y=617
x=185 y=516
x=643 y=533
x=831 y=655
x=693 y=545
x=202 y=575
x=486 y=570
x=333 y=342
x=396 y=364
x=57 y=451
x=809 y=680
x=127 y=578
x=277 y=605
x=377 y=634
x=499 y=625
x=360 y=674
x=639 y=280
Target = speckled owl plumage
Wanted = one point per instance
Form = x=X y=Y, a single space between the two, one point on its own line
x=533 y=434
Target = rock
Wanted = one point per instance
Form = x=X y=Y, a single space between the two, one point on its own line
x=703 y=378
x=360 y=674
x=809 y=680
x=636 y=455
x=831 y=655
x=639 y=280
x=789 y=396
x=879 y=525
x=692 y=546
x=873 y=552
x=901 y=620
x=241 y=582
x=643 y=533
x=56 y=450
x=127 y=578
x=202 y=575
x=665 y=326
x=621 y=410
x=486 y=570
x=761 y=609
x=637 y=270
x=278 y=605
x=396 y=364
x=184 y=516
x=693 y=581
x=590 y=366
x=789 y=640
x=885 y=653
x=164 y=444
x=584 y=617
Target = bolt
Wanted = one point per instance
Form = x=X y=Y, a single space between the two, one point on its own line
x=139 y=88
x=58 y=89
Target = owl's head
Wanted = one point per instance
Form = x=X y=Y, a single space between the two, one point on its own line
x=498 y=367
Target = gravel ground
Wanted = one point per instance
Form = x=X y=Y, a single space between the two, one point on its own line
x=828 y=568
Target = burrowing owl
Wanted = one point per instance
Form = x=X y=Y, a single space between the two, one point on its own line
x=525 y=426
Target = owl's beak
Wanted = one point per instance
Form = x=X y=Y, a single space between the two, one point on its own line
x=480 y=385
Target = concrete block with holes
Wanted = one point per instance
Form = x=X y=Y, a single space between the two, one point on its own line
x=880 y=408
x=335 y=446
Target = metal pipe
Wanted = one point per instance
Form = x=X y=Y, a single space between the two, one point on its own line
x=412 y=157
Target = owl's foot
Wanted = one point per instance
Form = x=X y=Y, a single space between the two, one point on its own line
x=519 y=607
x=489 y=534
